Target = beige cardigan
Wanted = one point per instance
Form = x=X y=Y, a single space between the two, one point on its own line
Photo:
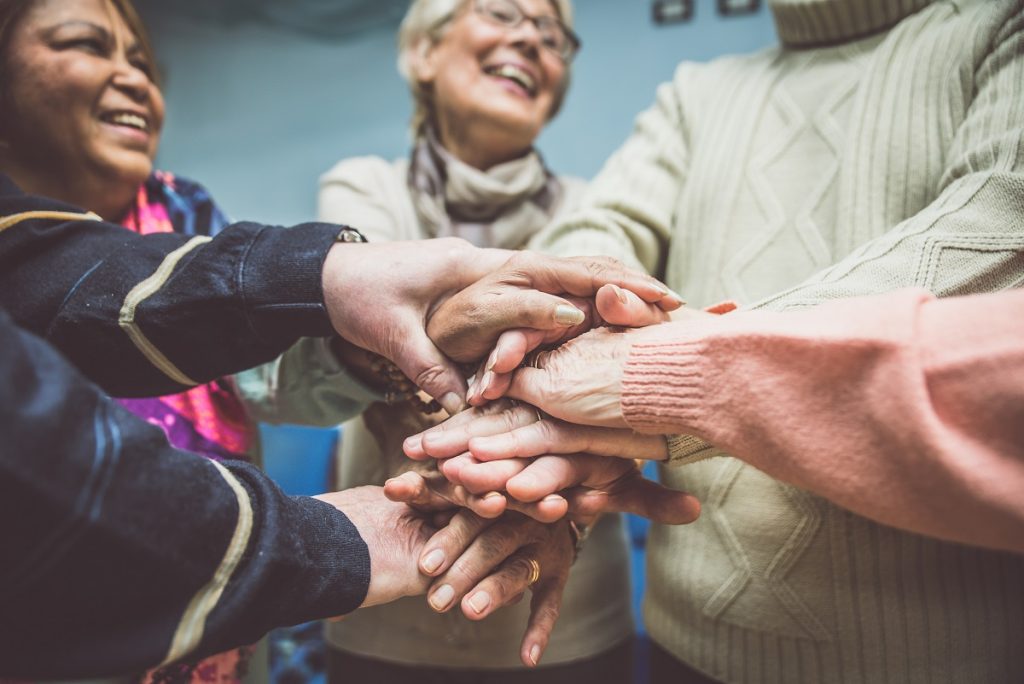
x=881 y=147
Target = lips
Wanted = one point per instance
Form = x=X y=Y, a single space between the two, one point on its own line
x=514 y=73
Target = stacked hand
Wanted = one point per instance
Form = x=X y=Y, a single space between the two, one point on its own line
x=426 y=304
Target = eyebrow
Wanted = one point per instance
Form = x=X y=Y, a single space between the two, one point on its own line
x=134 y=47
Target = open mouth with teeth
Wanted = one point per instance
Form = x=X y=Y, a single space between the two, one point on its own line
x=511 y=72
x=128 y=120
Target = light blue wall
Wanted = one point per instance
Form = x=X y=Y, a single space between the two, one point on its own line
x=257 y=114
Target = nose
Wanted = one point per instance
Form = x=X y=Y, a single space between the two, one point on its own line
x=526 y=36
x=132 y=81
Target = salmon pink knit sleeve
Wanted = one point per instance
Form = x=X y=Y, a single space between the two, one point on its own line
x=902 y=408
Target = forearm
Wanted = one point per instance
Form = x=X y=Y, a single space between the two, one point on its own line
x=894 y=407
x=157 y=313
x=127 y=553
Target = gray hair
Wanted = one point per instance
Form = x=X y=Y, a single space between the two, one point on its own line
x=425 y=24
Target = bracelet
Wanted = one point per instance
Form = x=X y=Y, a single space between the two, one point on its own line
x=398 y=389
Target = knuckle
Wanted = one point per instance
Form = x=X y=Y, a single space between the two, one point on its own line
x=429 y=376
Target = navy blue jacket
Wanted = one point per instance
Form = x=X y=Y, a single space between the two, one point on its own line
x=118 y=551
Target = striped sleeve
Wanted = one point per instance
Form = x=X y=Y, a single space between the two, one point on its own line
x=121 y=552
x=155 y=314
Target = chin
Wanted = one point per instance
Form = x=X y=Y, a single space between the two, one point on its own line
x=128 y=168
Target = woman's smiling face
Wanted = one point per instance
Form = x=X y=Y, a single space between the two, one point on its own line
x=80 y=97
x=501 y=81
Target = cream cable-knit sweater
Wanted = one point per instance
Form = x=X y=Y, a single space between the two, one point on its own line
x=881 y=146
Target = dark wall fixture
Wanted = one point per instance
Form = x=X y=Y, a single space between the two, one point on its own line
x=733 y=7
x=672 y=11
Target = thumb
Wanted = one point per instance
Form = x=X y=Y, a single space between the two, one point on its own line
x=431 y=370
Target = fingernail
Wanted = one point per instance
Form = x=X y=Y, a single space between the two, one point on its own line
x=553 y=498
x=535 y=654
x=413 y=444
x=480 y=601
x=452 y=403
x=493 y=495
x=433 y=561
x=620 y=294
x=486 y=381
x=568 y=315
x=491 y=360
x=442 y=598
x=678 y=297
x=389 y=481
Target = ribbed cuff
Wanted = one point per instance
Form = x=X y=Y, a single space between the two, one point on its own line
x=662 y=386
x=282 y=280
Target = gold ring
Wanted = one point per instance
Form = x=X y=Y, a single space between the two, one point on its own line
x=534 y=572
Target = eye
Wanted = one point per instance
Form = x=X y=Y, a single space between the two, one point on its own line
x=143 y=66
x=92 y=46
x=551 y=35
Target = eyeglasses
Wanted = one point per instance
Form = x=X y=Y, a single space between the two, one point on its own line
x=554 y=35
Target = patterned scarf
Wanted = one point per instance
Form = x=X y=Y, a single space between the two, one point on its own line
x=501 y=207
x=210 y=419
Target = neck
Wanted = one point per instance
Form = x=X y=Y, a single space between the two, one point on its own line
x=808 y=23
x=482 y=150
x=110 y=200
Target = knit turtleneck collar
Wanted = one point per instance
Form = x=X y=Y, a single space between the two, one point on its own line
x=805 y=23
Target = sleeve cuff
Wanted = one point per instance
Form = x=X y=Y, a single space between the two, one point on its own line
x=282 y=281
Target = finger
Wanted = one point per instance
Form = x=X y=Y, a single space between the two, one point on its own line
x=624 y=308
x=551 y=508
x=412 y=489
x=429 y=369
x=413 y=445
x=451 y=468
x=584 y=276
x=495 y=386
x=499 y=588
x=645 y=498
x=512 y=347
x=550 y=474
x=491 y=547
x=450 y=542
x=438 y=493
x=453 y=440
x=545 y=607
x=551 y=436
x=480 y=477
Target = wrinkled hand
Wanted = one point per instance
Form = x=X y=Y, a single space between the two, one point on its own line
x=491 y=449
x=429 y=491
x=484 y=564
x=535 y=299
x=395 y=535
x=381 y=296
x=612 y=306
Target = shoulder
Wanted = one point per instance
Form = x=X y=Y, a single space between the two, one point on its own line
x=365 y=173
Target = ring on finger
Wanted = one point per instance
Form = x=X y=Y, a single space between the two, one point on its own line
x=534 y=572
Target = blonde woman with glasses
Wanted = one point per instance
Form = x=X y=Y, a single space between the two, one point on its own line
x=486 y=77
